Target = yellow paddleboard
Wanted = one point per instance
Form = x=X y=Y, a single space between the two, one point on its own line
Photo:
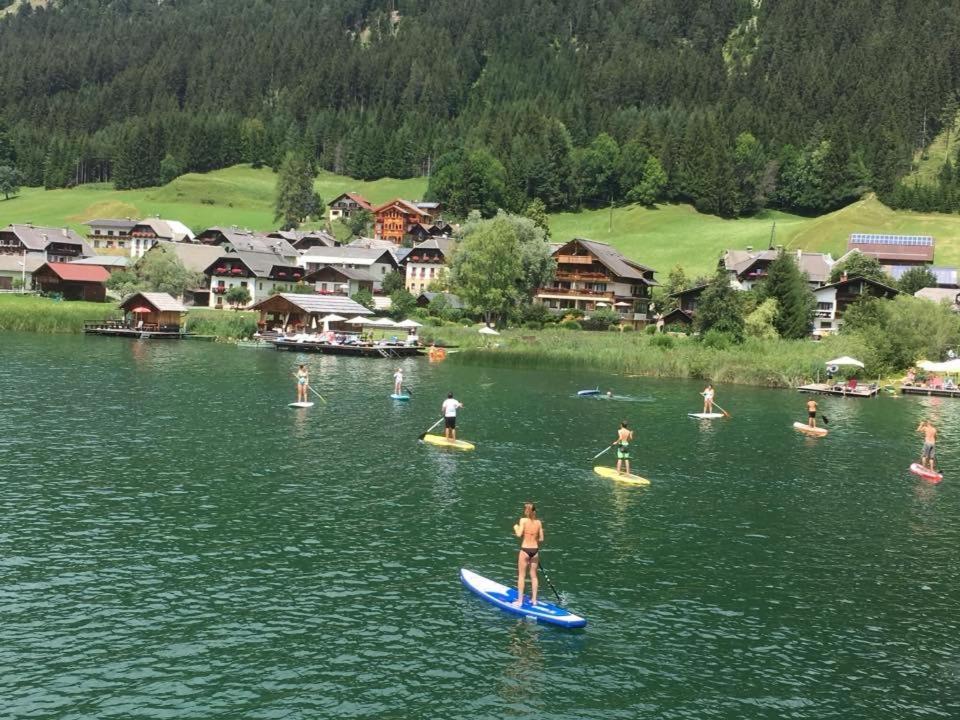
x=441 y=441
x=609 y=472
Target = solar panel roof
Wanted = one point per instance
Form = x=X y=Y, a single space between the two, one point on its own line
x=870 y=239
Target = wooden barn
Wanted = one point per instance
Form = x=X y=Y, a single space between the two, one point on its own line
x=72 y=281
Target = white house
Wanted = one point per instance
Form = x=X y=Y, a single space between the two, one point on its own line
x=262 y=265
x=107 y=234
x=833 y=299
x=377 y=262
x=747 y=268
x=17 y=269
x=426 y=262
x=146 y=233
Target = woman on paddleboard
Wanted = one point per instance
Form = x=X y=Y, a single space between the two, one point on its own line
x=303 y=380
x=530 y=531
x=707 y=399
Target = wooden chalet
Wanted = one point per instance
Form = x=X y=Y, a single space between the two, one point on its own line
x=52 y=244
x=592 y=275
x=72 y=281
x=747 y=268
x=393 y=220
x=345 y=204
x=893 y=249
x=300 y=312
x=833 y=300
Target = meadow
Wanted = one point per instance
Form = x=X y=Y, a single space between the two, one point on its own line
x=660 y=237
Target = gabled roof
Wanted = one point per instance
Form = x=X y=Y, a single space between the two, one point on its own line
x=452 y=300
x=938 y=295
x=405 y=205
x=348 y=273
x=195 y=257
x=124 y=224
x=848 y=281
x=441 y=243
x=72 y=272
x=695 y=290
x=356 y=197
x=104 y=260
x=159 y=301
x=168 y=229
x=12 y=262
x=300 y=238
x=351 y=255
x=613 y=260
x=363 y=242
x=251 y=241
x=260 y=264
x=37 y=238
x=318 y=304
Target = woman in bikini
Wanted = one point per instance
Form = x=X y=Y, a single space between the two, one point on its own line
x=530 y=531
x=303 y=380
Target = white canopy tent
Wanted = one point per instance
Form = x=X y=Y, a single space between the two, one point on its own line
x=409 y=324
x=327 y=319
x=487 y=330
x=845 y=360
x=382 y=322
x=950 y=366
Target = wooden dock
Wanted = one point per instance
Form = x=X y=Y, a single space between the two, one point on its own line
x=930 y=392
x=861 y=391
x=382 y=350
x=119 y=329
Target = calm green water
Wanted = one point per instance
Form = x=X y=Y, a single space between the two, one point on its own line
x=177 y=543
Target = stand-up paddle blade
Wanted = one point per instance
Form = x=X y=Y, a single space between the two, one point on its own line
x=601 y=452
x=424 y=433
x=825 y=420
x=547 y=578
x=407 y=391
x=725 y=413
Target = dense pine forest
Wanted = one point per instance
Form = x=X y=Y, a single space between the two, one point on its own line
x=732 y=105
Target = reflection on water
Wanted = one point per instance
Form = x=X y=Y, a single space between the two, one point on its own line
x=176 y=542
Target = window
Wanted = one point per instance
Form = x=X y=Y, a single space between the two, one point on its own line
x=323 y=286
x=824 y=306
x=243 y=283
x=431 y=272
x=110 y=232
x=261 y=286
x=383 y=269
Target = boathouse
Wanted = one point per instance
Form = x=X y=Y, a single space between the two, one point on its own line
x=72 y=281
x=158 y=311
x=298 y=311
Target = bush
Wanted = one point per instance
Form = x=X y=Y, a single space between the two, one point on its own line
x=533 y=325
x=433 y=321
x=571 y=325
x=466 y=322
x=630 y=328
x=664 y=342
x=650 y=329
x=573 y=314
x=718 y=339
x=601 y=319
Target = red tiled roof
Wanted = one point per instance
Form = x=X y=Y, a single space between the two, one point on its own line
x=72 y=272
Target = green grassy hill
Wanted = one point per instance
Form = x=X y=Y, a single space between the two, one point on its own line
x=660 y=237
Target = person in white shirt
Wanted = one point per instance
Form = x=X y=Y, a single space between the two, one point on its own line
x=398 y=382
x=450 y=407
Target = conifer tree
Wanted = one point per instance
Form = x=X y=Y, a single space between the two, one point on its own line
x=795 y=301
x=296 y=199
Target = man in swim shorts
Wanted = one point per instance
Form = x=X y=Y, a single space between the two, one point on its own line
x=928 y=455
x=812 y=413
x=624 y=438
x=450 y=407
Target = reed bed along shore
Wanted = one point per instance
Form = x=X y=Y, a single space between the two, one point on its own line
x=769 y=363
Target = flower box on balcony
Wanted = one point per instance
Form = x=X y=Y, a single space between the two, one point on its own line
x=220 y=271
x=237 y=271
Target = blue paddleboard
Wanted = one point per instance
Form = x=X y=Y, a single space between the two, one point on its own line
x=504 y=597
x=583 y=393
x=399 y=397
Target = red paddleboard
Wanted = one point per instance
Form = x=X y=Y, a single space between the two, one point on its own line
x=926 y=473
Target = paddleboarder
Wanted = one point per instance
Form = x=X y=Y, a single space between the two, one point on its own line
x=928 y=455
x=812 y=413
x=303 y=381
x=450 y=407
x=398 y=382
x=530 y=531
x=624 y=438
x=707 y=399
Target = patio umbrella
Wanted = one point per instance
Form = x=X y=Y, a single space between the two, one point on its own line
x=141 y=310
x=332 y=317
x=409 y=324
x=358 y=320
x=845 y=360
x=313 y=322
x=383 y=322
x=487 y=330
x=621 y=304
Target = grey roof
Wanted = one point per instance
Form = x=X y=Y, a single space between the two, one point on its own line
x=350 y=254
x=255 y=242
x=401 y=253
x=37 y=238
x=349 y=273
x=441 y=243
x=259 y=263
x=816 y=265
x=944 y=275
x=856 y=278
x=297 y=237
x=125 y=224
x=104 y=260
x=163 y=302
x=452 y=300
x=194 y=256
x=321 y=304
x=615 y=262
x=12 y=262
x=938 y=295
x=168 y=229
x=371 y=243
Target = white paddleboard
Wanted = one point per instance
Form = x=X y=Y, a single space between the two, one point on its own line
x=705 y=416
x=807 y=430
x=926 y=473
x=301 y=405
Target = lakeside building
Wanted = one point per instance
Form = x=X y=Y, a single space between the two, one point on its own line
x=345 y=204
x=331 y=280
x=592 y=275
x=426 y=262
x=149 y=231
x=52 y=244
x=72 y=281
x=16 y=271
x=453 y=301
x=261 y=264
x=110 y=235
x=687 y=301
x=747 y=268
x=298 y=312
x=893 y=249
x=376 y=261
x=833 y=300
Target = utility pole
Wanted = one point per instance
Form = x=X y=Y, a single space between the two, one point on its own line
x=773 y=235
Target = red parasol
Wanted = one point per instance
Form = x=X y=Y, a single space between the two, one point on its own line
x=141 y=310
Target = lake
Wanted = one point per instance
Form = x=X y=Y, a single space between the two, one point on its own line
x=175 y=542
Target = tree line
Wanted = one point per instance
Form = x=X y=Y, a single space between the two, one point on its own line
x=731 y=105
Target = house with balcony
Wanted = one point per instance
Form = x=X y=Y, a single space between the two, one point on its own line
x=346 y=204
x=262 y=265
x=683 y=314
x=303 y=240
x=51 y=244
x=592 y=275
x=393 y=220
x=330 y=280
x=894 y=249
x=747 y=268
x=833 y=299
x=149 y=231
x=375 y=261
x=110 y=236
x=426 y=262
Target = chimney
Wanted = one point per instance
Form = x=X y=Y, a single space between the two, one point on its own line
x=66 y=232
x=749 y=248
x=843 y=276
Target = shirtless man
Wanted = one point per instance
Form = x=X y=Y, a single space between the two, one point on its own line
x=707 y=399
x=624 y=438
x=530 y=531
x=812 y=413
x=928 y=456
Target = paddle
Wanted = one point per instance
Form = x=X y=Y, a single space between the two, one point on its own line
x=547 y=578
x=725 y=413
x=602 y=451
x=407 y=391
x=424 y=434
x=310 y=388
